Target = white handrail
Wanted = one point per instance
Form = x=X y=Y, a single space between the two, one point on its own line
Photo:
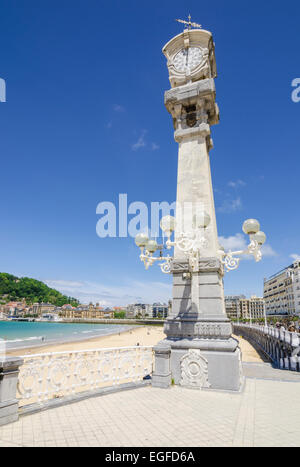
x=86 y=351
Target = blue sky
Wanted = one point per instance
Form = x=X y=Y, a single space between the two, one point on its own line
x=85 y=120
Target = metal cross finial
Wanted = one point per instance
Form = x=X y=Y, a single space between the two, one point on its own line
x=189 y=24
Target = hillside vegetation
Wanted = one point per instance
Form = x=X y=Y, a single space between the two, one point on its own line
x=13 y=288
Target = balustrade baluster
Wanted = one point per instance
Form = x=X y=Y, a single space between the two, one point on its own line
x=118 y=368
x=98 y=372
x=64 y=373
x=138 y=365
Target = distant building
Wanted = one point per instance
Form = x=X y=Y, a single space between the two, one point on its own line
x=42 y=308
x=87 y=312
x=143 y=310
x=240 y=307
x=138 y=310
x=282 y=291
x=232 y=306
x=252 y=308
x=160 y=310
x=67 y=306
x=15 y=309
x=50 y=316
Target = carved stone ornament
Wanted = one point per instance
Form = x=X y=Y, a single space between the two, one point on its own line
x=194 y=370
x=208 y=330
x=180 y=266
x=210 y=265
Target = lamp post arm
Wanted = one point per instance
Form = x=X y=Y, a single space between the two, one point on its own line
x=231 y=259
x=148 y=259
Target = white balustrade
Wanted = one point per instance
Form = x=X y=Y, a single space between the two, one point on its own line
x=48 y=376
x=282 y=346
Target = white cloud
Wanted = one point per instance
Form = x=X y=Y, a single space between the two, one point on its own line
x=119 y=108
x=62 y=283
x=236 y=184
x=230 y=205
x=154 y=146
x=239 y=242
x=267 y=250
x=140 y=143
x=295 y=257
x=108 y=295
x=235 y=242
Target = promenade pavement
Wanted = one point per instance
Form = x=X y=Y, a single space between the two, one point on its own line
x=266 y=413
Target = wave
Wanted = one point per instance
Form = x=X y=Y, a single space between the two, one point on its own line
x=25 y=339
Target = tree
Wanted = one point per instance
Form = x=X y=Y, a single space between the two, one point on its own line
x=15 y=288
x=120 y=314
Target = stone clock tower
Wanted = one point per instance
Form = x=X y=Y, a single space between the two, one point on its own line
x=199 y=351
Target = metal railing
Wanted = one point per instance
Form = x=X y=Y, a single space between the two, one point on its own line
x=44 y=377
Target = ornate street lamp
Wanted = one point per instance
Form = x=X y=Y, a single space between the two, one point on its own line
x=199 y=350
x=193 y=242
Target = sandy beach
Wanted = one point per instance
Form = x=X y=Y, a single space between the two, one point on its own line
x=142 y=335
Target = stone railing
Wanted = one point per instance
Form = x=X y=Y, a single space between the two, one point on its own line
x=283 y=347
x=50 y=376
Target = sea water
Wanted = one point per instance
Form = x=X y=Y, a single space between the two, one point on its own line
x=21 y=334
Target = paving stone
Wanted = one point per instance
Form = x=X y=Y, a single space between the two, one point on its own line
x=265 y=414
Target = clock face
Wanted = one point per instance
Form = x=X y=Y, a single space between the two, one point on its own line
x=187 y=59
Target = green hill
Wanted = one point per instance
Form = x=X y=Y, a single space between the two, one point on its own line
x=13 y=288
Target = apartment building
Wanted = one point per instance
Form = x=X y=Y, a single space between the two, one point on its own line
x=240 y=307
x=282 y=292
x=143 y=310
x=252 y=308
x=138 y=310
x=87 y=312
x=160 y=310
x=41 y=308
x=232 y=305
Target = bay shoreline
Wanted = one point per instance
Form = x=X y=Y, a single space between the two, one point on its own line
x=135 y=335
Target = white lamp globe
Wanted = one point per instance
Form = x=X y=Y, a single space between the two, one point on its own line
x=201 y=220
x=260 y=237
x=167 y=224
x=141 y=240
x=251 y=226
x=151 y=246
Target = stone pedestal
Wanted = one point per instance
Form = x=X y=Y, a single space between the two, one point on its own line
x=9 y=371
x=161 y=377
x=203 y=354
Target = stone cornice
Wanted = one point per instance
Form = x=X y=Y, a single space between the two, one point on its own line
x=192 y=106
x=202 y=131
x=189 y=93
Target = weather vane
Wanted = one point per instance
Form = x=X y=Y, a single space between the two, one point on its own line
x=189 y=24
